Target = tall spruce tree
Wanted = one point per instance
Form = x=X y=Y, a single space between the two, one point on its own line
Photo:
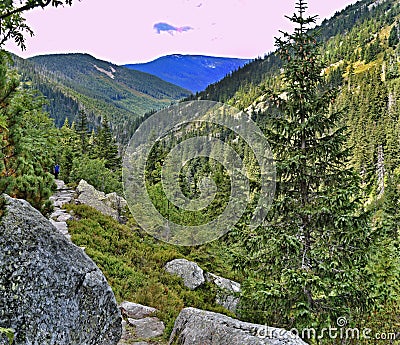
x=305 y=266
x=106 y=146
x=69 y=148
x=82 y=129
x=393 y=39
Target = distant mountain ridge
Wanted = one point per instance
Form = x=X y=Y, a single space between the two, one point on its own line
x=80 y=81
x=255 y=73
x=192 y=72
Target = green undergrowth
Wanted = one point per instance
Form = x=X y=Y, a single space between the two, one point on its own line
x=133 y=264
x=2 y=206
x=8 y=333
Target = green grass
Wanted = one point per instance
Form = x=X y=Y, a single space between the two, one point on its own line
x=133 y=264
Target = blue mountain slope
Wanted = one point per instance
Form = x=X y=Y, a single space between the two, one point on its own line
x=192 y=72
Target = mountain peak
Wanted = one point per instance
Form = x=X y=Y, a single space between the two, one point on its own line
x=192 y=72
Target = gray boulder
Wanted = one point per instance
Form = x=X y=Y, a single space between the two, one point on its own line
x=108 y=204
x=189 y=271
x=199 y=327
x=147 y=328
x=193 y=277
x=138 y=324
x=136 y=311
x=228 y=291
x=51 y=292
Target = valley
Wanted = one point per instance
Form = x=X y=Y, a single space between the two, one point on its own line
x=315 y=242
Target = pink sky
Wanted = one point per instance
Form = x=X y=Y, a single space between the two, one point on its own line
x=121 y=31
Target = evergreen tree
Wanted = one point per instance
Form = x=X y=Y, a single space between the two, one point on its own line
x=304 y=266
x=69 y=148
x=106 y=146
x=385 y=258
x=391 y=219
x=82 y=129
x=394 y=36
x=27 y=142
x=95 y=172
x=392 y=147
x=372 y=50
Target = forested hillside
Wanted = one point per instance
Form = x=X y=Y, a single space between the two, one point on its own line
x=346 y=157
x=79 y=81
x=360 y=47
x=366 y=15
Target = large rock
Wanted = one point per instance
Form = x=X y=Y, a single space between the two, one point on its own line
x=193 y=276
x=199 y=327
x=147 y=328
x=135 y=310
x=51 y=292
x=228 y=291
x=138 y=324
x=189 y=271
x=108 y=204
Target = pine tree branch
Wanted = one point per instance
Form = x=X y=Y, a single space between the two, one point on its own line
x=7 y=95
x=4 y=147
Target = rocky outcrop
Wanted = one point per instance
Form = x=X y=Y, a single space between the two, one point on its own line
x=193 y=276
x=189 y=271
x=135 y=310
x=139 y=323
x=51 y=292
x=147 y=328
x=108 y=204
x=199 y=327
x=228 y=291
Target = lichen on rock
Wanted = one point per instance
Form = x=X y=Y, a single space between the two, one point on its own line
x=109 y=204
x=51 y=292
x=199 y=327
